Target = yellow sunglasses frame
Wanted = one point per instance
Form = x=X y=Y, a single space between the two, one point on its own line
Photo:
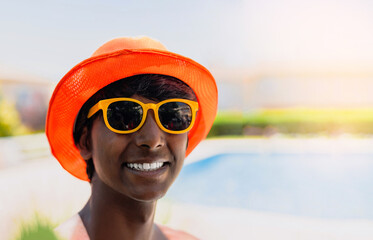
x=104 y=104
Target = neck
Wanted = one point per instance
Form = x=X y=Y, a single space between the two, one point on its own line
x=111 y=215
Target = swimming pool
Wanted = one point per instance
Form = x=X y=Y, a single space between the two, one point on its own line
x=322 y=185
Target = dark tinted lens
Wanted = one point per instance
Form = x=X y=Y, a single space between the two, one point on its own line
x=124 y=115
x=175 y=116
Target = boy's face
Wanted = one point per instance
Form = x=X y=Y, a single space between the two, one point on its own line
x=113 y=154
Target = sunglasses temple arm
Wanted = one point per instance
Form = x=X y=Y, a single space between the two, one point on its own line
x=93 y=110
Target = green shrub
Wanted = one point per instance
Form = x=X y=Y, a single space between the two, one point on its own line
x=38 y=228
x=227 y=123
x=294 y=121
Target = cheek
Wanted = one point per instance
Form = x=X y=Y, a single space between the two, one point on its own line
x=101 y=140
x=106 y=150
x=178 y=145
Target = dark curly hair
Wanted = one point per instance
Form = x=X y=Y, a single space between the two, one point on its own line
x=151 y=86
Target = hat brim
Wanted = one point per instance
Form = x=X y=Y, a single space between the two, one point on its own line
x=89 y=76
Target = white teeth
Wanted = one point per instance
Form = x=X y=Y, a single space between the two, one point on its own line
x=145 y=166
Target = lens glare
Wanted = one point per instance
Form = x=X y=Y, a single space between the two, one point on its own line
x=175 y=116
x=124 y=115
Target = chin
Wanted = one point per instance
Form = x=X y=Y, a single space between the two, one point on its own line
x=149 y=197
x=147 y=191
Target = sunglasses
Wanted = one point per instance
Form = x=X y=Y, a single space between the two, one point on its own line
x=127 y=115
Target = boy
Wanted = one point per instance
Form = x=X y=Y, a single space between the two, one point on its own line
x=124 y=120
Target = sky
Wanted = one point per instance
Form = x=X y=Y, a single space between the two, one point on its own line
x=47 y=38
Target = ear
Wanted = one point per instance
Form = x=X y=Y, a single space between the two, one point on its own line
x=84 y=145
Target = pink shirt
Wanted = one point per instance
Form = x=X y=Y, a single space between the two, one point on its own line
x=73 y=229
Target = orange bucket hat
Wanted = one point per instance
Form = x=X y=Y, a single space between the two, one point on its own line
x=117 y=59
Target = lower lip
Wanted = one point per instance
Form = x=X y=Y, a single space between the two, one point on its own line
x=153 y=173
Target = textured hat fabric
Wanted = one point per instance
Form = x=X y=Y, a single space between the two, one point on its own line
x=117 y=59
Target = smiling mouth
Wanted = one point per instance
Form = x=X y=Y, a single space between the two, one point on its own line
x=146 y=167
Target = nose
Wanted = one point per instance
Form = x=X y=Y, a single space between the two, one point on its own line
x=150 y=136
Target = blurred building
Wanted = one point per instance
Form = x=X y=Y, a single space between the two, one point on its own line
x=295 y=86
x=29 y=93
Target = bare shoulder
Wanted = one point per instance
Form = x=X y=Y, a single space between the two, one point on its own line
x=173 y=234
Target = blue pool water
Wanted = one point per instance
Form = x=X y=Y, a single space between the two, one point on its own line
x=313 y=185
